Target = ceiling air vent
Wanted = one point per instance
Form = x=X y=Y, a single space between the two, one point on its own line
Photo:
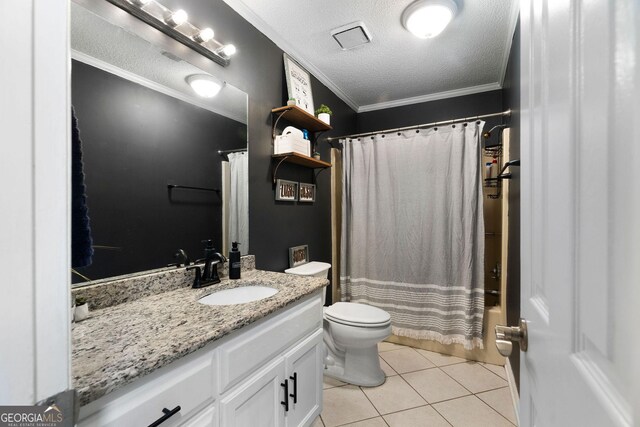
x=351 y=35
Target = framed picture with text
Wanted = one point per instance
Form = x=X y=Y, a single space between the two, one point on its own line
x=286 y=191
x=307 y=193
x=298 y=84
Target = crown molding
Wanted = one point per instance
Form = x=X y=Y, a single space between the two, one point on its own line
x=127 y=75
x=241 y=8
x=430 y=97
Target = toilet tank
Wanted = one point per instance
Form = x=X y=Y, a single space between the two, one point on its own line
x=314 y=269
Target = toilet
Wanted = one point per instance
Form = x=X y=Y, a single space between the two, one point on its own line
x=352 y=332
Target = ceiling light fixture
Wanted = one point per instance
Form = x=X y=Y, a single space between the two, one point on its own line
x=428 y=18
x=175 y=24
x=204 y=85
x=178 y=17
x=204 y=35
x=228 y=50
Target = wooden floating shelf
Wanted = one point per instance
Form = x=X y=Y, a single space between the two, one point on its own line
x=302 y=160
x=301 y=118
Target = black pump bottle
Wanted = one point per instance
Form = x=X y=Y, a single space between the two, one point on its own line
x=234 y=261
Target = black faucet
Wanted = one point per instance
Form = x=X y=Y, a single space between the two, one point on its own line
x=208 y=274
x=182 y=258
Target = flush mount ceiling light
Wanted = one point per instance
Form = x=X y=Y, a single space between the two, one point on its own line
x=428 y=18
x=204 y=85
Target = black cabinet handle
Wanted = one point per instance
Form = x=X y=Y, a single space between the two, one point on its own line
x=167 y=414
x=285 y=402
x=294 y=378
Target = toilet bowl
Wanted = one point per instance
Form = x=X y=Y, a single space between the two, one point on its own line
x=352 y=332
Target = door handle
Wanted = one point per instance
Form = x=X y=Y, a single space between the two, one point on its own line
x=285 y=402
x=506 y=335
x=294 y=378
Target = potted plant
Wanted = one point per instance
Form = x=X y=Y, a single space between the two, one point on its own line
x=82 y=309
x=316 y=155
x=291 y=102
x=324 y=113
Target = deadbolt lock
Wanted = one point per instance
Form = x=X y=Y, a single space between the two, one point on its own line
x=507 y=335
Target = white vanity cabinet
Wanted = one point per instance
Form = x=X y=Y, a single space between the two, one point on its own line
x=266 y=374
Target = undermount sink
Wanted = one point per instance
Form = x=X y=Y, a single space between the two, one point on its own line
x=239 y=295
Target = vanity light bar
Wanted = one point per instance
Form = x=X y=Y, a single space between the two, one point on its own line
x=175 y=24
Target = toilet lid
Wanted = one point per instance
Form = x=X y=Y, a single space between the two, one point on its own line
x=351 y=313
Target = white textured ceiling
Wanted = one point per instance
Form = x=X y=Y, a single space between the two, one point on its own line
x=103 y=44
x=396 y=68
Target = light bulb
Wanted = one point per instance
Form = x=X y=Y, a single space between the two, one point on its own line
x=204 y=35
x=428 y=18
x=178 y=17
x=229 y=50
x=204 y=85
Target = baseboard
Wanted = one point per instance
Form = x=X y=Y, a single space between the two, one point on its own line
x=515 y=397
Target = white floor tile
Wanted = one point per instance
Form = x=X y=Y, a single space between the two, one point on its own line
x=474 y=377
x=406 y=360
x=372 y=422
x=501 y=401
x=434 y=385
x=388 y=370
x=328 y=382
x=394 y=395
x=344 y=405
x=470 y=412
x=424 y=416
x=388 y=346
x=439 y=359
x=498 y=370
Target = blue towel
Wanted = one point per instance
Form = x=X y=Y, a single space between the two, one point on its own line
x=81 y=242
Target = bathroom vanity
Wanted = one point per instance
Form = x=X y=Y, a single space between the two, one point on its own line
x=168 y=356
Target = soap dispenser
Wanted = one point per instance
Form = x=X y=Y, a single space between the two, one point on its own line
x=234 y=261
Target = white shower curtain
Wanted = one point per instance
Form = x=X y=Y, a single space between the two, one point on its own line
x=239 y=200
x=413 y=231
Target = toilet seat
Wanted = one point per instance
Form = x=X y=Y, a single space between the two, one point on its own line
x=359 y=315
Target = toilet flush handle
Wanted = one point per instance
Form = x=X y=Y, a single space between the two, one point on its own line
x=506 y=335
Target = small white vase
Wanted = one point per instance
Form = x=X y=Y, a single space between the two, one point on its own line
x=291 y=103
x=81 y=312
x=325 y=117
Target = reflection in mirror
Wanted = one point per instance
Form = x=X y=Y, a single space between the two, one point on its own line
x=146 y=138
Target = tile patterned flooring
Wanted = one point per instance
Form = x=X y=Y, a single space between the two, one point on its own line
x=423 y=388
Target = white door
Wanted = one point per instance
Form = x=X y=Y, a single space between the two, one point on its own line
x=304 y=369
x=259 y=401
x=580 y=212
x=34 y=223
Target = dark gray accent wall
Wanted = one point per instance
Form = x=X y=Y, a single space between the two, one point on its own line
x=258 y=69
x=135 y=141
x=434 y=111
x=511 y=99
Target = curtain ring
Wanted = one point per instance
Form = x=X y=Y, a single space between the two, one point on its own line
x=372 y=138
x=435 y=129
x=465 y=125
x=453 y=126
x=383 y=135
x=399 y=134
x=417 y=130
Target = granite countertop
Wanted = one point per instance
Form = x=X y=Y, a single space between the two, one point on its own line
x=121 y=343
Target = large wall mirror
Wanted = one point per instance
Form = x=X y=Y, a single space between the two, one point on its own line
x=164 y=168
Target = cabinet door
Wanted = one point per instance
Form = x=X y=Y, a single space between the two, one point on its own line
x=257 y=401
x=206 y=418
x=304 y=371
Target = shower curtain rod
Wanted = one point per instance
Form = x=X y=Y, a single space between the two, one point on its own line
x=444 y=122
x=237 y=150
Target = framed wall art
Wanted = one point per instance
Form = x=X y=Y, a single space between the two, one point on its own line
x=298 y=84
x=307 y=193
x=286 y=191
x=298 y=255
